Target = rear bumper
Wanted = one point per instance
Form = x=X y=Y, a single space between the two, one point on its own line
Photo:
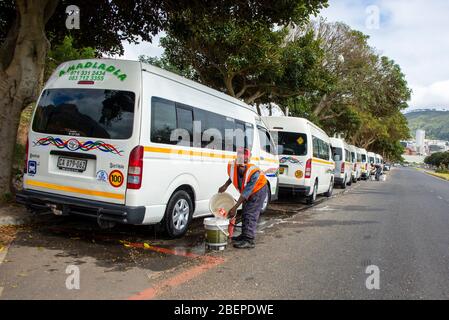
x=39 y=200
x=302 y=190
x=338 y=180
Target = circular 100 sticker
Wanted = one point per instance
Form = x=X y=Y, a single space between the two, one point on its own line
x=116 y=178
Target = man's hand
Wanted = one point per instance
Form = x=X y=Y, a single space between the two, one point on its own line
x=232 y=213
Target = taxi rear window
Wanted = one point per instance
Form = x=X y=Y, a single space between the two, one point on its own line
x=94 y=113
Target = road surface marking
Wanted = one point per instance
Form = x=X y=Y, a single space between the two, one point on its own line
x=175 y=281
x=326 y=208
x=3 y=252
x=175 y=252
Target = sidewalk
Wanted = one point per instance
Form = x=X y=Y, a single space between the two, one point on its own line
x=13 y=214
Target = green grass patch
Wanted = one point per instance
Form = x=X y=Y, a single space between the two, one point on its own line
x=444 y=176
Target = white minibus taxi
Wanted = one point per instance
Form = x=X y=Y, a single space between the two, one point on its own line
x=356 y=169
x=126 y=142
x=306 y=165
x=364 y=163
x=343 y=165
x=371 y=160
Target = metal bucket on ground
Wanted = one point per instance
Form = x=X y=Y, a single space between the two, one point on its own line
x=216 y=233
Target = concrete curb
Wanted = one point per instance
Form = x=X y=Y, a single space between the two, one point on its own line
x=436 y=175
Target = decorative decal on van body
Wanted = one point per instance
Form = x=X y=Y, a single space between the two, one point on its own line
x=74 y=145
x=289 y=159
x=271 y=172
x=94 y=71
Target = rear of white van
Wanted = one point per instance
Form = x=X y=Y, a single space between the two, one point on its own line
x=83 y=153
x=295 y=153
x=365 y=163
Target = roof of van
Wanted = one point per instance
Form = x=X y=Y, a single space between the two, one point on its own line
x=193 y=84
x=174 y=77
x=337 y=140
x=289 y=123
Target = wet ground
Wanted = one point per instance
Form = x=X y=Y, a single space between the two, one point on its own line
x=114 y=264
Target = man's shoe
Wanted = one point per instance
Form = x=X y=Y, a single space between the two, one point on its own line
x=244 y=244
x=238 y=238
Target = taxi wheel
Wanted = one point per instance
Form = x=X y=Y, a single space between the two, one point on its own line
x=343 y=185
x=312 y=198
x=266 y=202
x=330 y=190
x=178 y=214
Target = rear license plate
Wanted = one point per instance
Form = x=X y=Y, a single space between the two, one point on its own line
x=70 y=164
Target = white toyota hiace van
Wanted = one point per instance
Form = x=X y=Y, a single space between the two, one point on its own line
x=306 y=164
x=343 y=164
x=356 y=170
x=364 y=164
x=126 y=142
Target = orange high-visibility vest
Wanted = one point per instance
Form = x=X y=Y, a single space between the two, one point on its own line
x=249 y=171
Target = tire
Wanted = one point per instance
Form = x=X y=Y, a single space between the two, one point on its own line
x=343 y=185
x=178 y=214
x=266 y=202
x=330 y=190
x=312 y=198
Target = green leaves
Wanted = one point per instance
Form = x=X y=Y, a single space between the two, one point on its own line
x=244 y=54
x=65 y=51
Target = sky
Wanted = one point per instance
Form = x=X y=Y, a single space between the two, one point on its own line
x=411 y=32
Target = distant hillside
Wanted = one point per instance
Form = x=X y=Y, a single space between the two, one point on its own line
x=436 y=123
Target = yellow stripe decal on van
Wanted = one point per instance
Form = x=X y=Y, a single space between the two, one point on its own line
x=323 y=162
x=208 y=154
x=75 y=190
x=189 y=152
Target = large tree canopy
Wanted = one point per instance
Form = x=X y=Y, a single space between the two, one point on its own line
x=326 y=72
x=27 y=26
x=247 y=58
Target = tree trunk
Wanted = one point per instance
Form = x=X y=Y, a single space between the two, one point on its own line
x=22 y=57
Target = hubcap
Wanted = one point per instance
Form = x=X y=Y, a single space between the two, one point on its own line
x=265 y=202
x=181 y=214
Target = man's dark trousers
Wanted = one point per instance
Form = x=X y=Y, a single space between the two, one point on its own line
x=251 y=212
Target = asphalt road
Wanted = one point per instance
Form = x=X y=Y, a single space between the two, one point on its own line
x=399 y=226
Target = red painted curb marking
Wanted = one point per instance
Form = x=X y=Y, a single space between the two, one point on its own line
x=175 y=252
x=183 y=277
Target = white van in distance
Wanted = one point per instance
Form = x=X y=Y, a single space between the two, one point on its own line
x=356 y=164
x=126 y=142
x=343 y=164
x=364 y=163
x=306 y=165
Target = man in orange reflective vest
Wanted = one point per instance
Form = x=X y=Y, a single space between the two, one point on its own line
x=251 y=182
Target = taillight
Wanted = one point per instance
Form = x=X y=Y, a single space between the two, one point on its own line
x=308 y=172
x=342 y=167
x=135 y=168
x=25 y=169
x=366 y=166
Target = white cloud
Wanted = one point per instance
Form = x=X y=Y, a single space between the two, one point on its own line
x=413 y=33
x=435 y=95
x=152 y=49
